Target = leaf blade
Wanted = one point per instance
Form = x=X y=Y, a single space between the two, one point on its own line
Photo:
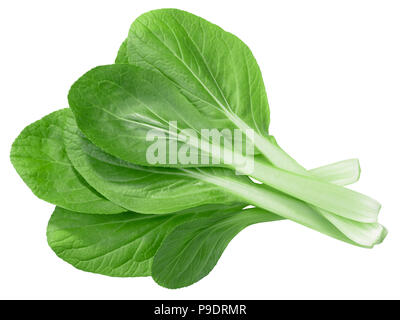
x=193 y=248
x=39 y=157
x=201 y=59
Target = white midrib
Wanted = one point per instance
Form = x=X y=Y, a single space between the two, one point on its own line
x=296 y=210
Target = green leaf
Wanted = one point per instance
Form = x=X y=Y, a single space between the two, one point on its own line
x=122 y=56
x=117 y=106
x=39 y=157
x=213 y=68
x=121 y=245
x=192 y=249
x=341 y=173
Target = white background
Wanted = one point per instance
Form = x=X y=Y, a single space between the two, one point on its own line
x=332 y=74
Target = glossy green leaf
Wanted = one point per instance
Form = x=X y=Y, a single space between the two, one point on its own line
x=121 y=245
x=214 y=69
x=39 y=157
x=192 y=249
x=342 y=173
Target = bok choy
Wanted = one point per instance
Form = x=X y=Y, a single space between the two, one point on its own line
x=154 y=166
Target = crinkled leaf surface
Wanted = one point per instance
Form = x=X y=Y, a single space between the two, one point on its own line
x=192 y=249
x=121 y=245
x=39 y=156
